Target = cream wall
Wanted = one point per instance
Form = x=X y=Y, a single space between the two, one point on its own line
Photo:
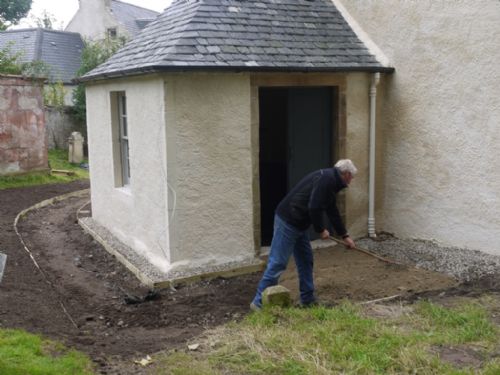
x=439 y=119
x=210 y=167
x=138 y=214
x=92 y=20
x=193 y=152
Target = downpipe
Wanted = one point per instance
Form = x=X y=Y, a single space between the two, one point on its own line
x=371 y=183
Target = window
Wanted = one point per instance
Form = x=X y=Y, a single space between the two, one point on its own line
x=123 y=138
x=111 y=32
x=119 y=138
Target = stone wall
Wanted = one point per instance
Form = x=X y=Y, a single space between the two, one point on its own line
x=60 y=125
x=23 y=139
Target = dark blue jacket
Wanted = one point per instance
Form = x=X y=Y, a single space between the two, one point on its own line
x=313 y=196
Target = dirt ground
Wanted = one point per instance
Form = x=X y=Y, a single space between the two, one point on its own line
x=114 y=319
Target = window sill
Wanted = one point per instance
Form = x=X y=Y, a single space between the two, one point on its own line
x=125 y=190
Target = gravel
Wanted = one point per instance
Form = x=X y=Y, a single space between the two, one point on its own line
x=463 y=264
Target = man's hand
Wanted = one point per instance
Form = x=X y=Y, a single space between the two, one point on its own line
x=325 y=235
x=349 y=242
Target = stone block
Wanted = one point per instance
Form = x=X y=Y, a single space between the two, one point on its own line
x=276 y=295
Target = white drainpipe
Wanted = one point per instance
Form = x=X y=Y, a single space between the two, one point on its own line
x=371 y=183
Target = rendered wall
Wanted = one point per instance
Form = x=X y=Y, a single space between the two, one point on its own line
x=439 y=119
x=210 y=167
x=23 y=139
x=137 y=214
x=92 y=20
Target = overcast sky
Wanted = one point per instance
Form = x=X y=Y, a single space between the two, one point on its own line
x=63 y=10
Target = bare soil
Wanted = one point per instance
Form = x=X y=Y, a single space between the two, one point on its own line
x=113 y=318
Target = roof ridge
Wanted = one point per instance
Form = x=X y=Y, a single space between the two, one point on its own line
x=35 y=29
x=136 y=6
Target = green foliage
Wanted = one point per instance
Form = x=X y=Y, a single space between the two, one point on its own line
x=11 y=11
x=9 y=61
x=46 y=20
x=35 y=69
x=24 y=353
x=53 y=95
x=94 y=54
x=58 y=159
x=339 y=340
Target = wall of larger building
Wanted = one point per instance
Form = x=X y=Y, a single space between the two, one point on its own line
x=438 y=122
x=93 y=19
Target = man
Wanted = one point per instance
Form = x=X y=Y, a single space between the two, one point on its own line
x=304 y=205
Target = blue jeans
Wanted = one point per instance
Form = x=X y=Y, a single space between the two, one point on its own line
x=288 y=239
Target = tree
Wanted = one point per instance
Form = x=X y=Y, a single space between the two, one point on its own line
x=46 y=20
x=94 y=53
x=11 y=11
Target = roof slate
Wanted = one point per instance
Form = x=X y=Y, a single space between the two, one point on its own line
x=133 y=17
x=61 y=50
x=263 y=35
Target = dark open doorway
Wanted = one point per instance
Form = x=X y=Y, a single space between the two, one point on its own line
x=296 y=134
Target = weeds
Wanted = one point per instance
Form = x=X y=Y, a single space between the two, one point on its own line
x=338 y=340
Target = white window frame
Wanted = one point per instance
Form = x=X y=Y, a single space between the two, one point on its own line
x=123 y=132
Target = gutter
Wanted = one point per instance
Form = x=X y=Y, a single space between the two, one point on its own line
x=371 y=182
x=229 y=69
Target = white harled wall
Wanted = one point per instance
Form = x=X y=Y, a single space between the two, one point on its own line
x=138 y=214
x=93 y=18
x=439 y=119
x=210 y=164
x=191 y=197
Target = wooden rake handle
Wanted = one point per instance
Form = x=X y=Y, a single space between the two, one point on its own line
x=366 y=252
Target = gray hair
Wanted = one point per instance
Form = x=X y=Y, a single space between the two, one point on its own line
x=346 y=165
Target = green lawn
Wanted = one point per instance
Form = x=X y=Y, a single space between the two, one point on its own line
x=22 y=353
x=340 y=340
x=57 y=160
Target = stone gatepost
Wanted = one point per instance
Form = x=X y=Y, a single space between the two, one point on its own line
x=75 y=148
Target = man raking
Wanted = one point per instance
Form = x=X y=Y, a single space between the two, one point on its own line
x=304 y=205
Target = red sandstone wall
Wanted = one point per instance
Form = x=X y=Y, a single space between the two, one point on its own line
x=23 y=139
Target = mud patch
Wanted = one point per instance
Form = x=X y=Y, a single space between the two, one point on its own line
x=349 y=274
x=460 y=356
x=97 y=290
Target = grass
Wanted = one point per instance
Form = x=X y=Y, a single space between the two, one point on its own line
x=339 y=340
x=23 y=353
x=57 y=160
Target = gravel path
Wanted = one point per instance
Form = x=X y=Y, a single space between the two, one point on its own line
x=463 y=264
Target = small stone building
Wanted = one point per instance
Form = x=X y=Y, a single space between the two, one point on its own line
x=202 y=123
x=23 y=140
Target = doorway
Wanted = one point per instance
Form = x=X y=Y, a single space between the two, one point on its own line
x=296 y=136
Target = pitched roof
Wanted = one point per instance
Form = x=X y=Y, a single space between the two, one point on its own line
x=133 y=17
x=61 y=50
x=263 y=35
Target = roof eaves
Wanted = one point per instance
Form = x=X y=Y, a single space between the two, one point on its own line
x=233 y=69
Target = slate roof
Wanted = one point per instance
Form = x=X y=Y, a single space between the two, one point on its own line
x=133 y=17
x=61 y=50
x=242 y=35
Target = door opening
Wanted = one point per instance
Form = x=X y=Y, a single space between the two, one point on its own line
x=296 y=130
